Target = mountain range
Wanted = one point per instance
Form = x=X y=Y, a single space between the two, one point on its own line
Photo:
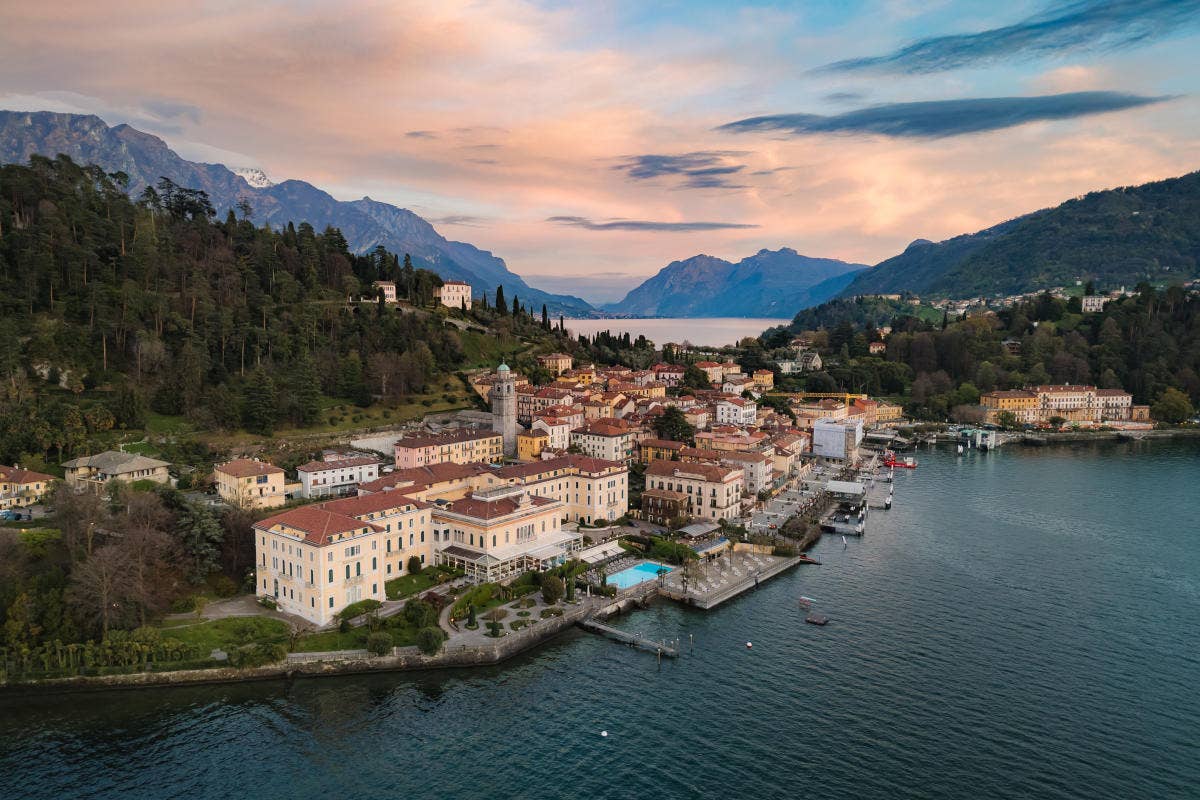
x=769 y=283
x=365 y=223
x=1113 y=237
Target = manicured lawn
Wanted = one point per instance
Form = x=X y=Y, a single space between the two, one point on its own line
x=409 y=585
x=227 y=634
x=402 y=633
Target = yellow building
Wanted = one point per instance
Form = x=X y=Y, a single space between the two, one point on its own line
x=888 y=412
x=22 y=487
x=316 y=560
x=530 y=445
x=499 y=533
x=250 y=483
x=764 y=379
x=1021 y=403
x=556 y=363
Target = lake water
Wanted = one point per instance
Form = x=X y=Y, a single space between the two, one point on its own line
x=1022 y=624
x=715 y=332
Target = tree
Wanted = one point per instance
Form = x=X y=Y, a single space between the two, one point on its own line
x=259 y=409
x=673 y=425
x=695 y=378
x=200 y=535
x=545 y=318
x=379 y=643
x=471 y=622
x=420 y=614
x=501 y=305
x=552 y=589
x=1006 y=420
x=429 y=640
x=414 y=565
x=99 y=588
x=494 y=618
x=1172 y=407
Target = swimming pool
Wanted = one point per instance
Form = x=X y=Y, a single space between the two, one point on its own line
x=638 y=573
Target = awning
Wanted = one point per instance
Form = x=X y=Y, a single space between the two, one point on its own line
x=600 y=552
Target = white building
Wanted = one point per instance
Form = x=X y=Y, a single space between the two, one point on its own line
x=608 y=439
x=837 y=439
x=736 y=411
x=336 y=476
x=557 y=429
x=454 y=294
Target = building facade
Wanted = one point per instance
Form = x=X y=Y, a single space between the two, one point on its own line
x=250 y=483
x=460 y=447
x=96 y=471
x=714 y=491
x=336 y=476
x=499 y=533
x=23 y=487
x=453 y=294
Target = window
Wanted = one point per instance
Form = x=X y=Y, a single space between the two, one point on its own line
x=331 y=576
x=347 y=572
x=373 y=564
x=331 y=602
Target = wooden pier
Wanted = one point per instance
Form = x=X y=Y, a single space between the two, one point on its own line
x=631 y=639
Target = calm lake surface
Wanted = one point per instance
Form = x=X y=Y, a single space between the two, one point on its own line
x=716 y=332
x=1022 y=624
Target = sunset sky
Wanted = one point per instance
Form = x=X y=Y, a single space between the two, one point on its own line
x=591 y=144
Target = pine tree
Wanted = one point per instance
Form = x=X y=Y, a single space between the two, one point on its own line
x=501 y=305
x=259 y=410
x=545 y=318
x=516 y=306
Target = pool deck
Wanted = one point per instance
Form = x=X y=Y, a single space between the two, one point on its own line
x=725 y=578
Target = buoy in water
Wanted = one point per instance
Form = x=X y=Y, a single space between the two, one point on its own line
x=749 y=645
x=604 y=733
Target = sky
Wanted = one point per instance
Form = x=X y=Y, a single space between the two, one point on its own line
x=591 y=144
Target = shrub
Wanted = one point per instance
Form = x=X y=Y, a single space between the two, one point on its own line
x=257 y=655
x=224 y=586
x=358 y=609
x=429 y=640
x=182 y=605
x=414 y=565
x=420 y=614
x=344 y=626
x=379 y=643
x=471 y=622
x=552 y=589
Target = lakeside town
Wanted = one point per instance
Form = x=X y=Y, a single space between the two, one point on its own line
x=481 y=533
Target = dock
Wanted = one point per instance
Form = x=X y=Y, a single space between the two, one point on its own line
x=625 y=637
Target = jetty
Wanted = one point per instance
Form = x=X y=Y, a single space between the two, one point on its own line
x=631 y=639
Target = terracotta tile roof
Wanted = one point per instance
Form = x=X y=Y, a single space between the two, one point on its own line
x=663 y=444
x=18 y=475
x=714 y=473
x=488 y=510
x=315 y=524
x=439 y=439
x=248 y=467
x=341 y=463
x=365 y=504
x=424 y=476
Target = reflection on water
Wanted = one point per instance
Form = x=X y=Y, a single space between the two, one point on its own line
x=1021 y=624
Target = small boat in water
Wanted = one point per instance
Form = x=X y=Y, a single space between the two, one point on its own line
x=816 y=619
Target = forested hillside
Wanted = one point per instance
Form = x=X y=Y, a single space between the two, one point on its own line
x=1115 y=237
x=113 y=311
x=1148 y=344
